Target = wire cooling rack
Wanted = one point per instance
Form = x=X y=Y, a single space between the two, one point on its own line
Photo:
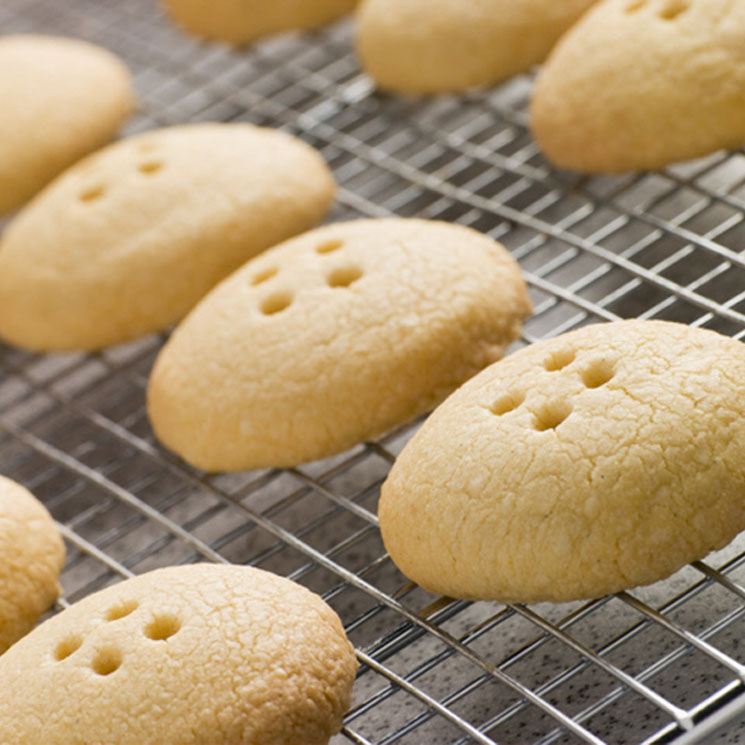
x=655 y=665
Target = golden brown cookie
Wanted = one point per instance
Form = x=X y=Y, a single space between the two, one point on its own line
x=333 y=338
x=31 y=558
x=128 y=240
x=432 y=46
x=638 y=84
x=61 y=99
x=188 y=655
x=243 y=21
x=594 y=462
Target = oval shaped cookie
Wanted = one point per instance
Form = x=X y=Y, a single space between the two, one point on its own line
x=601 y=105
x=31 y=558
x=333 y=338
x=62 y=99
x=242 y=21
x=128 y=240
x=432 y=46
x=594 y=462
x=226 y=655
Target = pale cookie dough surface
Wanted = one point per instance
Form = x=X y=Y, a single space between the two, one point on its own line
x=61 y=99
x=638 y=84
x=432 y=46
x=332 y=338
x=594 y=462
x=191 y=655
x=128 y=240
x=31 y=558
x=242 y=21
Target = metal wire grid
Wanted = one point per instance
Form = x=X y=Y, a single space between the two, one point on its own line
x=648 y=665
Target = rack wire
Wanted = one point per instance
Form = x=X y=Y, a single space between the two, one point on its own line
x=656 y=665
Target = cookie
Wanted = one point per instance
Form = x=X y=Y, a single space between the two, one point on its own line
x=638 y=84
x=128 y=240
x=243 y=21
x=196 y=654
x=594 y=462
x=62 y=99
x=31 y=558
x=333 y=338
x=433 y=46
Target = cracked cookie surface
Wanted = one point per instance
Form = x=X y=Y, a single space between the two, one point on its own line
x=590 y=463
x=201 y=654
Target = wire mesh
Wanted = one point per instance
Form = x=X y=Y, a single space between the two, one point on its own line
x=652 y=665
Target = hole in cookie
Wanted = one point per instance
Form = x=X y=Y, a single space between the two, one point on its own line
x=329 y=247
x=673 y=8
x=559 y=360
x=150 y=166
x=276 y=303
x=635 y=5
x=551 y=415
x=121 y=610
x=598 y=373
x=147 y=147
x=106 y=661
x=162 y=627
x=344 y=276
x=507 y=403
x=91 y=194
x=67 y=647
x=264 y=275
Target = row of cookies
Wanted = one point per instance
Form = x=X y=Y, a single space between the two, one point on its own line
x=343 y=332
x=321 y=342
x=624 y=111
x=630 y=85
x=124 y=243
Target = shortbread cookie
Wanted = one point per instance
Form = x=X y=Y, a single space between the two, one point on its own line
x=128 y=240
x=31 y=558
x=332 y=338
x=431 y=46
x=597 y=461
x=638 y=84
x=242 y=21
x=61 y=99
x=188 y=655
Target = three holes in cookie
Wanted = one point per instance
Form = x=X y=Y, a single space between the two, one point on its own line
x=67 y=647
x=121 y=610
x=551 y=415
x=275 y=303
x=344 y=276
x=162 y=627
x=106 y=661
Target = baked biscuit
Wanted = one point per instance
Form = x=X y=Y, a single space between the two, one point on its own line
x=638 y=84
x=432 y=46
x=128 y=240
x=594 y=462
x=225 y=655
x=31 y=558
x=243 y=21
x=61 y=99
x=331 y=339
